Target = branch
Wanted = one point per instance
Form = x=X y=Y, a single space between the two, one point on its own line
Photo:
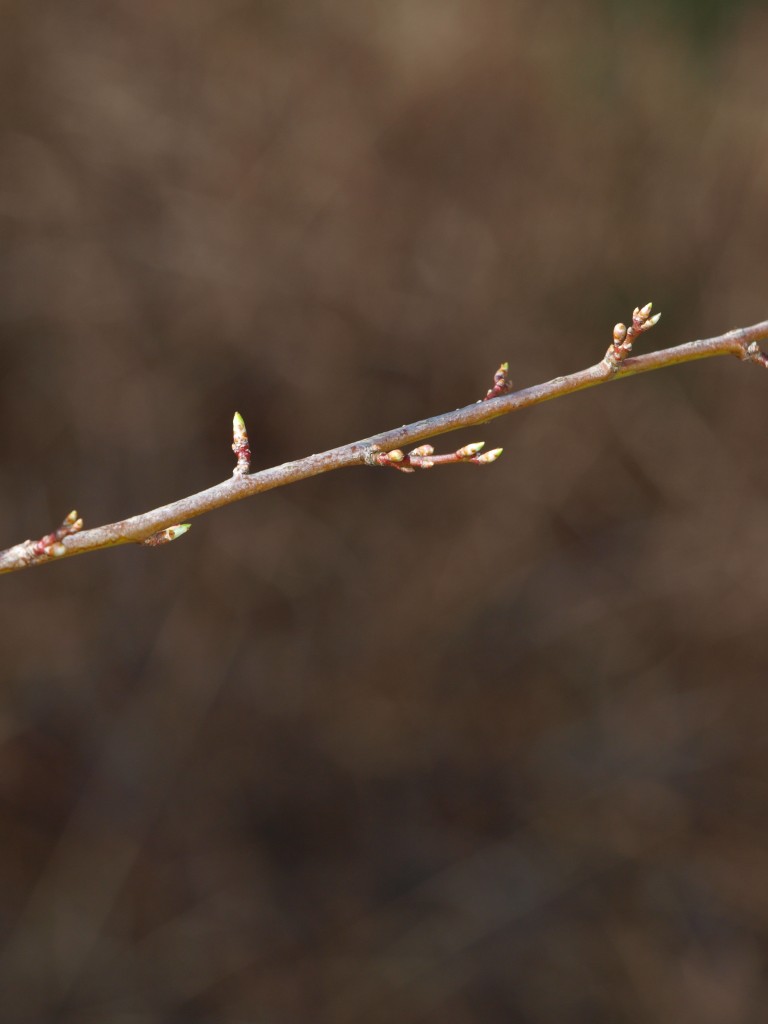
x=166 y=523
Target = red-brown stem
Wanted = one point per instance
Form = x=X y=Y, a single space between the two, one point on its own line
x=741 y=342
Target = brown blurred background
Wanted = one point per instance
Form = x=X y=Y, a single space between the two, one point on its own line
x=468 y=746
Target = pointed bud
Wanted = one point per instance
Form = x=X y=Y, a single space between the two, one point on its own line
x=167 y=535
x=501 y=378
x=488 y=457
x=174 y=532
x=240 y=446
x=71 y=518
x=76 y=526
x=238 y=428
x=646 y=310
x=654 y=320
x=470 y=450
x=501 y=383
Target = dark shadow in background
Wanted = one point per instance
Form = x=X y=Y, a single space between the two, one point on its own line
x=462 y=747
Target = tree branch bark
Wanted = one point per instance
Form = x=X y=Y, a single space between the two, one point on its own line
x=165 y=523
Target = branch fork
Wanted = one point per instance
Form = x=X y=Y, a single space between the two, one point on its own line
x=755 y=354
x=623 y=336
x=424 y=457
x=48 y=547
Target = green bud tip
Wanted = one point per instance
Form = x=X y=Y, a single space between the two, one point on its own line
x=488 y=457
x=470 y=450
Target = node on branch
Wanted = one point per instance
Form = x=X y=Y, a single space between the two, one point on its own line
x=162 y=525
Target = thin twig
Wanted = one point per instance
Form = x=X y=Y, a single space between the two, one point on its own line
x=163 y=524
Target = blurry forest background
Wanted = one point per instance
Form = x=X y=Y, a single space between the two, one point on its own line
x=467 y=746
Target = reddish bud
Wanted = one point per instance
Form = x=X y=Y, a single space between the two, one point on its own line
x=240 y=446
